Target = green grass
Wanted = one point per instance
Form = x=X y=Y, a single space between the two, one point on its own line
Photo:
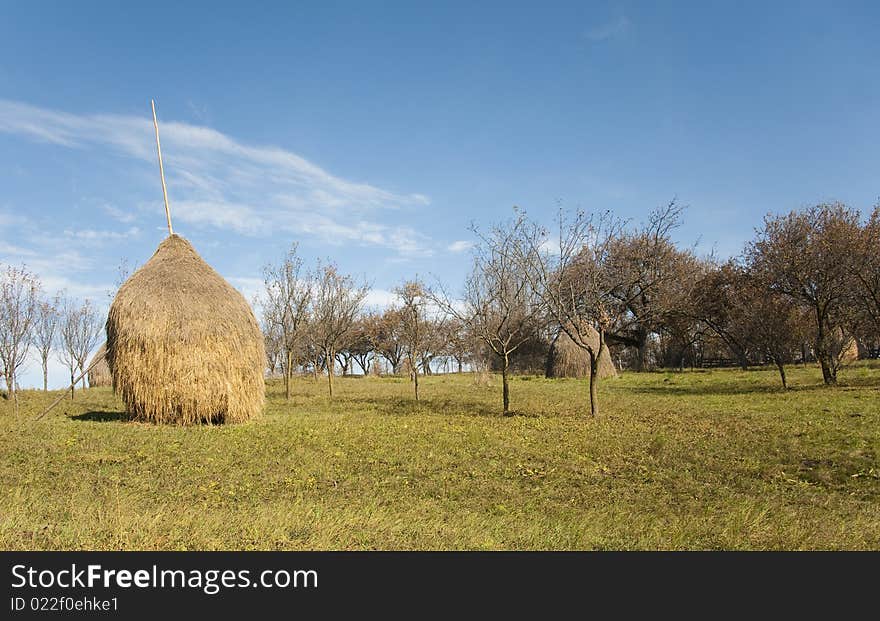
x=694 y=460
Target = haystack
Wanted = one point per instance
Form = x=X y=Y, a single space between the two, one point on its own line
x=849 y=351
x=99 y=374
x=184 y=344
x=566 y=359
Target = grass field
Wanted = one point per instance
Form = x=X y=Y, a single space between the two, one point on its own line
x=693 y=460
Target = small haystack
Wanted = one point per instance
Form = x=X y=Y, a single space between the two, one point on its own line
x=850 y=350
x=565 y=359
x=99 y=374
x=184 y=344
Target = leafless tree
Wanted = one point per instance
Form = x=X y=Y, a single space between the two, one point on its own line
x=748 y=312
x=46 y=332
x=498 y=305
x=288 y=293
x=572 y=277
x=123 y=270
x=344 y=357
x=865 y=269
x=414 y=331
x=80 y=331
x=272 y=339
x=646 y=268
x=19 y=307
x=386 y=335
x=337 y=300
x=716 y=300
x=433 y=343
x=459 y=343
x=806 y=255
x=360 y=343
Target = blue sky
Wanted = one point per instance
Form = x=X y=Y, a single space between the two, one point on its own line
x=374 y=133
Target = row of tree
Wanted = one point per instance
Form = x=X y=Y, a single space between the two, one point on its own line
x=32 y=321
x=806 y=288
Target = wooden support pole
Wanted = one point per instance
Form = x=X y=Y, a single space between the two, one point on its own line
x=72 y=384
x=162 y=169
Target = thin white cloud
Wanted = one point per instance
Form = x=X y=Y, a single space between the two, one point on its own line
x=60 y=264
x=217 y=182
x=12 y=251
x=92 y=235
x=610 y=30
x=118 y=214
x=251 y=288
x=460 y=246
x=380 y=299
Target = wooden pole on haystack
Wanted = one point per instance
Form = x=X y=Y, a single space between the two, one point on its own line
x=162 y=169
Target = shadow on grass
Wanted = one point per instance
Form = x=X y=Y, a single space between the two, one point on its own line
x=734 y=389
x=102 y=417
x=405 y=406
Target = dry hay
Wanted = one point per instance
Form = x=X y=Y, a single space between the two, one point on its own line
x=850 y=350
x=99 y=374
x=184 y=344
x=566 y=359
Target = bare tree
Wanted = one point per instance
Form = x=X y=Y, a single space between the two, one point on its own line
x=360 y=343
x=272 y=339
x=80 y=330
x=645 y=268
x=458 y=342
x=123 y=270
x=765 y=322
x=571 y=274
x=865 y=269
x=498 y=303
x=19 y=303
x=777 y=325
x=336 y=302
x=289 y=293
x=386 y=335
x=433 y=343
x=715 y=299
x=46 y=332
x=415 y=331
x=806 y=256
x=344 y=357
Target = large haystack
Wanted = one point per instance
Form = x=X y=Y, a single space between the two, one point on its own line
x=99 y=375
x=565 y=359
x=184 y=344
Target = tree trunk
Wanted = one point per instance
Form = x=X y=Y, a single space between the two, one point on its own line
x=83 y=379
x=594 y=381
x=45 y=375
x=287 y=370
x=458 y=360
x=72 y=384
x=781 y=368
x=13 y=391
x=416 y=384
x=642 y=350
x=505 y=388
x=594 y=375
x=829 y=374
x=330 y=366
x=10 y=386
